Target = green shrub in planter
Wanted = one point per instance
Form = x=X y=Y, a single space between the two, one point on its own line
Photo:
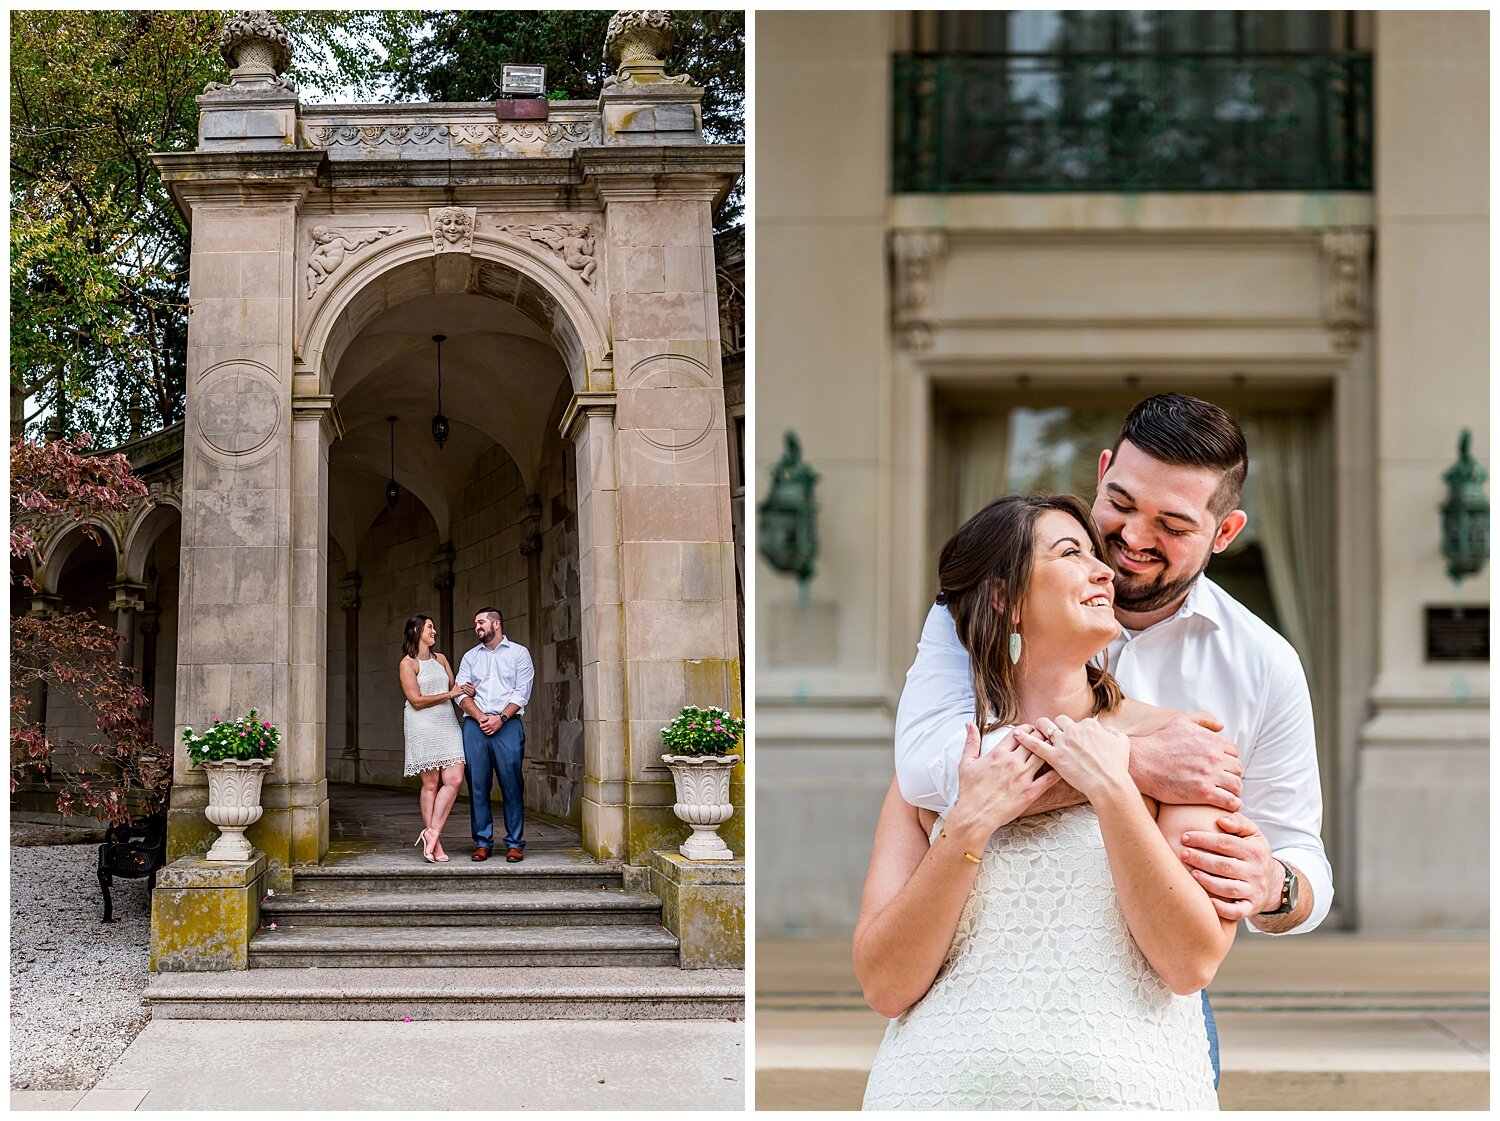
x=246 y=738
x=702 y=731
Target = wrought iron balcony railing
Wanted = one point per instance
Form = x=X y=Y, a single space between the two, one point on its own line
x=1176 y=122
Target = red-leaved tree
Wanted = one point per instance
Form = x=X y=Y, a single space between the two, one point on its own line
x=71 y=652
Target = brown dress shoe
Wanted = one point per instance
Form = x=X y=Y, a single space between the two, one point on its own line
x=514 y=856
x=481 y=853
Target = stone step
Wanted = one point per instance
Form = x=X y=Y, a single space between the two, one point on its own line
x=385 y=873
x=514 y=906
x=297 y=946
x=609 y=993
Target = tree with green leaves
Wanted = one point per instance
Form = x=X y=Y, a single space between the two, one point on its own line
x=460 y=58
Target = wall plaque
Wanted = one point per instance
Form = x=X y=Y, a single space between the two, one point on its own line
x=1458 y=634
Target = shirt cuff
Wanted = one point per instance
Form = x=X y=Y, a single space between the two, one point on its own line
x=1313 y=865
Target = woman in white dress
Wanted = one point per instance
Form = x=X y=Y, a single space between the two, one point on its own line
x=434 y=743
x=1048 y=961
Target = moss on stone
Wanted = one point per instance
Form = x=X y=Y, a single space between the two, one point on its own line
x=205 y=929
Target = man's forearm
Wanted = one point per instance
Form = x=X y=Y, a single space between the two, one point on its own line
x=1281 y=924
x=1055 y=797
x=470 y=708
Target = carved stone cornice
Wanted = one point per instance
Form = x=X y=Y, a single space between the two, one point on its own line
x=582 y=406
x=915 y=255
x=1346 y=284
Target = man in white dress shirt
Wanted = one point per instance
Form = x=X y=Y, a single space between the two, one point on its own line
x=494 y=739
x=1166 y=503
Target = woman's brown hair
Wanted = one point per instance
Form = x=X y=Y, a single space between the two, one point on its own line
x=983 y=573
x=411 y=635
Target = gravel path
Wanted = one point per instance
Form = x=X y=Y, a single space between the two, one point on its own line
x=75 y=982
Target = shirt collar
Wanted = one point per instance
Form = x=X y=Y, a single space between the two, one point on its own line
x=504 y=641
x=1202 y=600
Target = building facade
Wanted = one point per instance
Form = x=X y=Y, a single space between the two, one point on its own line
x=1020 y=223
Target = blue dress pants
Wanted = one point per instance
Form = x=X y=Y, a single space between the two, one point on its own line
x=1213 y=1037
x=499 y=755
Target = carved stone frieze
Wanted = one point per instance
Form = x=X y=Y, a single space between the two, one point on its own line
x=914 y=259
x=452 y=228
x=332 y=246
x=572 y=241
x=1346 y=287
x=397 y=135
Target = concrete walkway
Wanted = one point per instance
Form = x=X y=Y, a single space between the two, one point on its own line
x=424 y=1065
x=507 y=1065
x=1316 y=1022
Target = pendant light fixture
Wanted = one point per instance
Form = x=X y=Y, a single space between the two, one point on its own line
x=439 y=422
x=392 y=491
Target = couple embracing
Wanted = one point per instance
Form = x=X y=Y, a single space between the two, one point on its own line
x=1054 y=883
x=491 y=687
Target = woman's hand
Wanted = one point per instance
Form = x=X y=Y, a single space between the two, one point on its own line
x=459 y=692
x=994 y=788
x=1091 y=758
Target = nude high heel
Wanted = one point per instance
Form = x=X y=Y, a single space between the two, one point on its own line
x=426 y=852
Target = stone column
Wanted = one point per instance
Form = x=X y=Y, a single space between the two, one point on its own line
x=250 y=632
x=306 y=827
x=679 y=620
x=442 y=561
x=350 y=602
x=589 y=424
x=150 y=628
x=1424 y=753
x=128 y=600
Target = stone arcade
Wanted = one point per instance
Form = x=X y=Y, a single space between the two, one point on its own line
x=584 y=487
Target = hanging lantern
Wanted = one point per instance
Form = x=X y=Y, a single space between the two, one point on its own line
x=439 y=422
x=392 y=491
x=1466 y=515
x=788 y=523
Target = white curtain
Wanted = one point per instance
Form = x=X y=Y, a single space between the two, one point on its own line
x=979 y=443
x=1294 y=524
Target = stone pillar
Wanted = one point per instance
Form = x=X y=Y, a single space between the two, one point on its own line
x=671 y=466
x=442 y=561
x=1421 y=804
x=150 y=627
x=589 y=424
x=250 y=632
x=350 y=602
x=128 y=600
x=305 y=832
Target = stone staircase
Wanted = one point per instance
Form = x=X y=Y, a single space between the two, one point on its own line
x=377 y=935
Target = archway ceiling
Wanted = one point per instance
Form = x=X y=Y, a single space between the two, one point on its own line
x=501 y=378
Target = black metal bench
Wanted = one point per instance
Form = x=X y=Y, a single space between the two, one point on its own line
x=134 y=850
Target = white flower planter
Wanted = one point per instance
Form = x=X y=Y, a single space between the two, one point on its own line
x=703 y=802
x=234 y=804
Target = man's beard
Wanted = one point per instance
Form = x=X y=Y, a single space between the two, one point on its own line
x=1138 y=597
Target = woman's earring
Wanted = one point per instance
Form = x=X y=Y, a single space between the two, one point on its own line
x=1015 y=647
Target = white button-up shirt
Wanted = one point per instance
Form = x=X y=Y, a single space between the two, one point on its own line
x=500 y=676
x=1215 y=656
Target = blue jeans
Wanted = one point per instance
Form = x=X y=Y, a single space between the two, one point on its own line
x=498 y=754
x=1213 y=1037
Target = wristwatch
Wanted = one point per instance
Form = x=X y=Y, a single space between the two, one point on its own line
x=1288 y=892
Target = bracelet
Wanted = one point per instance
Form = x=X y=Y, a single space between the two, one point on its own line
x=969 y=855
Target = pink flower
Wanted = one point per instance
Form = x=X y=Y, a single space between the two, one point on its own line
x=266 y=726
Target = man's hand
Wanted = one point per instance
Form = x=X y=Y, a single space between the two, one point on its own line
x=1186 y=763
x=490 y=723
x=1235 y=867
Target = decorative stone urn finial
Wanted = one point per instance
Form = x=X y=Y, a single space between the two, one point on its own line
x=257 y=49
x=637 y=40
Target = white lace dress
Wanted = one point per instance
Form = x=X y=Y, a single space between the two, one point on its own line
x=433 y=739
x=1044 y=1000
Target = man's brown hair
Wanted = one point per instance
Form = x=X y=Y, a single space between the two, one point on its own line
x=1187 y=432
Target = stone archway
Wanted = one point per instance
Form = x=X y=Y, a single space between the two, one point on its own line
x=588 y=234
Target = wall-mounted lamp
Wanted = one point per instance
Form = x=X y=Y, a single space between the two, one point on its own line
x=788 y=516
x=1466 y=514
